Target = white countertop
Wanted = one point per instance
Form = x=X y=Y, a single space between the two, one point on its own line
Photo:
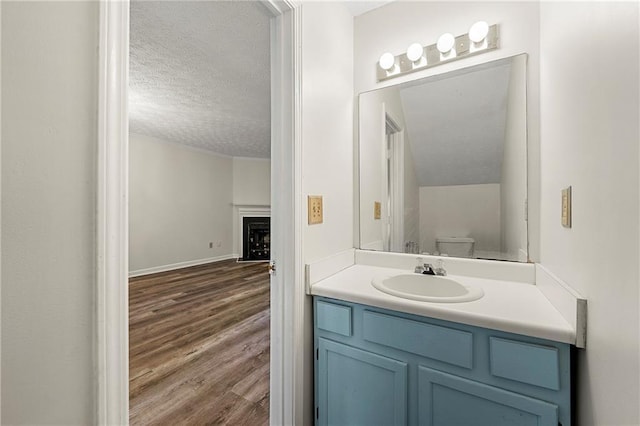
x=513 y=307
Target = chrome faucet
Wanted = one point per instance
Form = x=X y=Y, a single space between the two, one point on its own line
x=428 y=269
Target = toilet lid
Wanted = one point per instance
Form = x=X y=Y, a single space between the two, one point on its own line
x=455 y=240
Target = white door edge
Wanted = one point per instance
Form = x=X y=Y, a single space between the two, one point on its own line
x=112 y=346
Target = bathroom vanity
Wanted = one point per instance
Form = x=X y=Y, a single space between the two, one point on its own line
x=375 y=366
x=503 y=359
x=443 y=176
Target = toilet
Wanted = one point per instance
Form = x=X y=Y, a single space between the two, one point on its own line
x=455 y=246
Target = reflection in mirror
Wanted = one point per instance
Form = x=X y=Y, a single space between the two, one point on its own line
x=443 y=164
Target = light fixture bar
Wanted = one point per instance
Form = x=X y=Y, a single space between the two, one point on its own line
x=462 y=48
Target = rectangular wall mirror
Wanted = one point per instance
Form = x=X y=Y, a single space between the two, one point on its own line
x=443 y=164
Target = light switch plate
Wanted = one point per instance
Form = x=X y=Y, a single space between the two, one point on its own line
x=314 y=209
x=566 y=207
x=377 y=209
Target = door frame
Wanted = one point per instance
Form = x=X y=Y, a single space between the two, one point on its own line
x=392 y=150
x=112 y=336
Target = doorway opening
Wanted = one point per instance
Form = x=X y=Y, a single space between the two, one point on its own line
x=199 y=153
x=112 y=342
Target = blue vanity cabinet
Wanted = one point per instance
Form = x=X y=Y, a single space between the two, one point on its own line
x=379 y=367
x=446 y=400
x=357 y=387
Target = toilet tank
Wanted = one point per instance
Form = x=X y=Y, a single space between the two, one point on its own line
x=455 y=246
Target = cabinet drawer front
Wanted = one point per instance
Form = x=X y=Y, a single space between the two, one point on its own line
x=525 y=362
x=334 y=318
x=432 y=341
x=445 y=400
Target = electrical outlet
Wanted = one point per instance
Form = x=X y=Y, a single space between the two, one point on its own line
x=566 y=207
x=219 y=243
x=314 y=209
x=377 y=209
x=211 y=244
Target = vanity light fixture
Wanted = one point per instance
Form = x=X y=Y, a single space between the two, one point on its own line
x=415 y=52
x=481 y=38
x=478 y=32
x=387 y=61
x=446 y=43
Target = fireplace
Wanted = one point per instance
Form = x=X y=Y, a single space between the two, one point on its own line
x=256 y=238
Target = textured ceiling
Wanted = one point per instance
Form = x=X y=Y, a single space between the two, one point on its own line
x=199 y=74
x=456 y=126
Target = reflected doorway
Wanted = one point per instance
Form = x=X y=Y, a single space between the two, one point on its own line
x=394 y=200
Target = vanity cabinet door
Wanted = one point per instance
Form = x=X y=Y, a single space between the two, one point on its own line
x=357 y=387
x=446 y=400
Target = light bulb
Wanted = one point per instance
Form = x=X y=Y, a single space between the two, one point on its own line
x=387 y=61
x=446 y=42
x=414 y=52
x=478 y=31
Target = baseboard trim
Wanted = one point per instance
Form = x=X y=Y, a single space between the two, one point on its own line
x=179 y=265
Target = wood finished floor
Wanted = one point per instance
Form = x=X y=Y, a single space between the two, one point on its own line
x=199 y=346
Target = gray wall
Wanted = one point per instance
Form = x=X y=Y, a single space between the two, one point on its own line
x=445 y=212
x=179 y=201
x=252 y=181
x=49 y=139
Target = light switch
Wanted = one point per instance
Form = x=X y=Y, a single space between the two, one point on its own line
x=314 y=209
x=377 y=209
x=566 y=207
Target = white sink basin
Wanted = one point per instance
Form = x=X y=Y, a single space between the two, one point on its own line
x=427 y=288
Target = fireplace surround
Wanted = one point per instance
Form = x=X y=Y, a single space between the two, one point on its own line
x=256 y=238
x=255 y=219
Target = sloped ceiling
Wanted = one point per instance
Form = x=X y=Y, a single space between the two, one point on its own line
x=200 y=74
x=360 y=7
x=456 y=127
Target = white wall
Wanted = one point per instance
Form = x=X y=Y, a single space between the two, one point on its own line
x=327 y=148
x=394 y=26
x=252 y=181
x=589 y=132
x=49 y=142
x=513 y=182
x=461 y=211
x=180 y=200
x=327 y=125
